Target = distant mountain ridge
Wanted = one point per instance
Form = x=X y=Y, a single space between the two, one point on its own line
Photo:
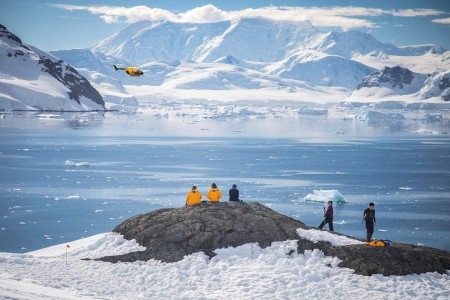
x=252 y=39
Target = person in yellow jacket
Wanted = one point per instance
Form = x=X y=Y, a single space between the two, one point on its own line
x=193 y=197
x=214 y=194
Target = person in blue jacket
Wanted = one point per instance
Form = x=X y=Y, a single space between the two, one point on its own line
x=234 y=193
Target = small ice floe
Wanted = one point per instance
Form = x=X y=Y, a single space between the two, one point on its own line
x=98 y=210
x=382 y=230
x=68 y=197
x=325 y=196
x=312 y=111
x=70 y=163
x=427 y=131
x=405 y=188
x=342 y=222
x=47 y=116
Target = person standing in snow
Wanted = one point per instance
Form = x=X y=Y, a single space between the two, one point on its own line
x=234 y=193
x=193 y=197
x=369 y=217
x=328 y=214
x=214 y=194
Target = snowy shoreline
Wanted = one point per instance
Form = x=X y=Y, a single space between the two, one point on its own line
x=244 y=272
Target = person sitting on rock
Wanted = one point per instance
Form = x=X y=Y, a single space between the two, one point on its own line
x=328 y=214
x=369 y=217
x=234 y=193
x=193 y=197
x=214 y=194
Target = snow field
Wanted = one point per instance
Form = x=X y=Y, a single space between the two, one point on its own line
x=245 y=272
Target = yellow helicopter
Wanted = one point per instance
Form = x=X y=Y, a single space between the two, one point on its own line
x=132 y=71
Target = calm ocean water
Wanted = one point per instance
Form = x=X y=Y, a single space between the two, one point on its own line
x=139 y=162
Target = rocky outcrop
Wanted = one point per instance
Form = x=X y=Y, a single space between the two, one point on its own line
x=399 y=259
x=396 y=76
x=170 y=234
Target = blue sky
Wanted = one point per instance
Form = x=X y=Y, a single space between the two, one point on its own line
x=68 y=24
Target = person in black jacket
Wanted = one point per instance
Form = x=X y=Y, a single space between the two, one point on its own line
x=328 y=214
x=234 y=193
x=369 y=217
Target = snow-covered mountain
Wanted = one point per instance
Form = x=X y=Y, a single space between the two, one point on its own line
x=437 y=86
x=395 y=83
x=98 y=69
x=251 y=39
x=322 y=69
x=290 y=61
x=287 y=54
x=350 y=43
x=31 y=79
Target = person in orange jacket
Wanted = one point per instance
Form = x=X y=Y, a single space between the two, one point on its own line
x=193 y=197
x=214 y=194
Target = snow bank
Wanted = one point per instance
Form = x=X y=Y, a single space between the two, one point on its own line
x=95 y=246
x=245 y=272
x=325 y=196
x=319 y=235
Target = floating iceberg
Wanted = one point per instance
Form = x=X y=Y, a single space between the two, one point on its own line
x=325 y=196
x=70 y=163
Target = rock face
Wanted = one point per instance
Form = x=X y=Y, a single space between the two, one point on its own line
x=396 y=76
x=437 y=85
x=399 y=259
x=78 y=85
x=170 y=234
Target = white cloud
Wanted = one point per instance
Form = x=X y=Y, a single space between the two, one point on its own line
x=115 y=14
x=419 y=12
x=442 y=21
x=344 y=17
x=204 y=14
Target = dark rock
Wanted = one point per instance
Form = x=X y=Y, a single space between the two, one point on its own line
x=4 y=32
x=170 y=234
x=444 y=85
x=396 y=76
x=399 y=259
x=78 y=85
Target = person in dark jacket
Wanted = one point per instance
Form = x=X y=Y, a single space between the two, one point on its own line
x=234 y=193
x=369 y=217
x=328 y=214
